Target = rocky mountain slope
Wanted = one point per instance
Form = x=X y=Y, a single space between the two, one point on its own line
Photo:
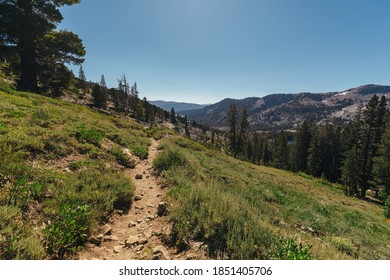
x=178 y=106
x=289 y=110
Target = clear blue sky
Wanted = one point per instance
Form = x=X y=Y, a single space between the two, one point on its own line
x=205 y=50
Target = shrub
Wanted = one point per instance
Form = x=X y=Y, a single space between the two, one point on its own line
x=345 y=245
x=69 y=230
x=289 y=250
x=141 y=152
x=169 y=159
x=90 y=135
x=17 y=241
x=123 y=159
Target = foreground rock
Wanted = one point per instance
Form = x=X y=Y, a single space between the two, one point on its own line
x=160 y=253
x=162 y=209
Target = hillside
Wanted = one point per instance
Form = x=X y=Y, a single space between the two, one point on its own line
x=178 y=106
x=286 y=111
x=67 y=172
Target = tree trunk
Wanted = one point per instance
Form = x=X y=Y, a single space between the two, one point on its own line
x=26 y=45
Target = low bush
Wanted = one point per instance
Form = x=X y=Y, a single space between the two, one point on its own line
x=17 y=241
x=344 y=245
x=289 y=250
x=140 y=151
x=69 y=230
x=122 y=158
x=90 y=135
x=169 y=159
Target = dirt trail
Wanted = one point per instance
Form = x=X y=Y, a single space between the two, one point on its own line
x=137 y=235
x=134 y=235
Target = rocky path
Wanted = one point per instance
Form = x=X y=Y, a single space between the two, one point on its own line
x=136 y=235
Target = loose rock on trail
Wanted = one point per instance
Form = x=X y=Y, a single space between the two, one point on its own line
x=137 y=234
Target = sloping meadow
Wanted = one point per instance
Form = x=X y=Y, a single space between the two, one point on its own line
x=244 y=211
x=60 y=173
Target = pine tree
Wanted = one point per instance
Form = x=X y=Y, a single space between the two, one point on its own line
x=373 y=125
x=281 y=154
x=172 y=116
x=243 y=134
x=99 y=95
x=350 y=171
x=123 y=95
x=186 y=129
x=82 y=79
x=314 y=156
x=381 y=169
x=232 y=120
x=301 y=147
x=102 y=82
x=28 y=32
x=136 y=103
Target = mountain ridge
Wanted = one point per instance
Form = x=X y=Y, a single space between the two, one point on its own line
x=178 y=106
x=288 y=110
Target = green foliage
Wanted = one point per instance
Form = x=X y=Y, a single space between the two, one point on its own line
x=140 y=151
x=289 y=250
x=17 y=241
x=21 y=193
x=69 y=230
x=39 y=138
x=99 y=95
x=90 y=135
x=41 y=51
x=344 y=245
x=169 y=159
x=387 y=207
x=122 y=158
x=240 y=211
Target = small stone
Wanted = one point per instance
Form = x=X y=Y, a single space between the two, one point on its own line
x=139 y=207
x=150 y=217
x=162 y=208
x=138 y=176
x=139 y=221
x=132 y=240
x=132 y=224
x=191 y=257
x=147 y=177
x=97 y=240
x=89 y=245
x=106 y=229
x=117 y=249
x=110 y=238
x=137 y=198
x=142 y=241
x=139 y=248
x=161 y=252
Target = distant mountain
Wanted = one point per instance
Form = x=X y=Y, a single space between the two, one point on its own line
x=178 y=106
x=286 y=111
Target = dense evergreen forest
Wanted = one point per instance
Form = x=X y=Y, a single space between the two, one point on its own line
x=357 y=155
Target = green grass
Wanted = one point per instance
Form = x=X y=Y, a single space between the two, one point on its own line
x=54 y=152
x=63 y=180
x=244 y=211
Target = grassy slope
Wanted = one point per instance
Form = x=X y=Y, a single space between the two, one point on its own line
x=62 y=153
x=243 y=211
x=61 y=163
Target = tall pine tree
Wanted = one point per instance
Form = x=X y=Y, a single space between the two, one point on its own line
x=29 y=36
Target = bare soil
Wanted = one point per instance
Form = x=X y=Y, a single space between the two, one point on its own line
x=138 y=234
